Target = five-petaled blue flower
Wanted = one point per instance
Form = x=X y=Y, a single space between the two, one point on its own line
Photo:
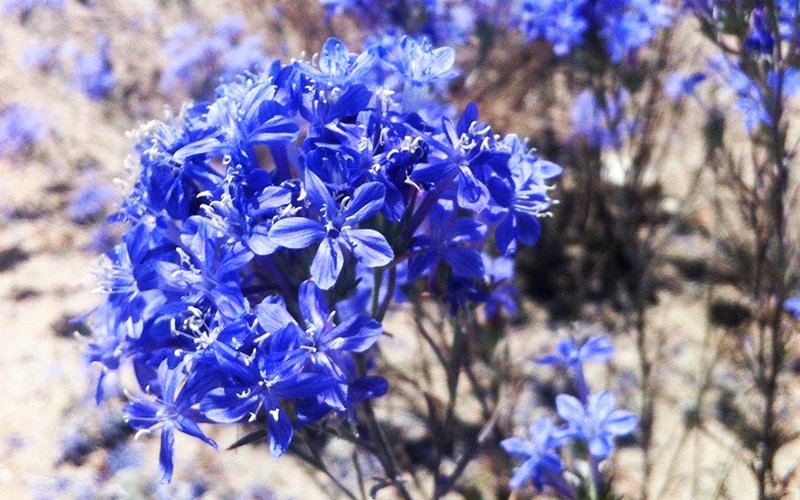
x=597 y=422
x=335 y=230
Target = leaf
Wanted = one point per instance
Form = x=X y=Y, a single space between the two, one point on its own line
x=251 y=438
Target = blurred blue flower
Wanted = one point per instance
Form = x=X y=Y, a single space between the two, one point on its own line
x=793 y=306
x=93 y=73
x=680 y=85
x=541 y=463
x=596 y=349
x=21 y=128
x=602 y=121
x=560 y=22
x=91 y=201
x=197 y=63
x=24 y=8
x=597 y=423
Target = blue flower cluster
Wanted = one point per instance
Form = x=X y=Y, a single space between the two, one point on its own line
x=90 y=72
x=623 y=26
x=590 y=419
x=21 y=128
x=256 y=214
x=197 y=63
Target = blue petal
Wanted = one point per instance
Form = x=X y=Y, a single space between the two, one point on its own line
x=271 y=316
x=296 y=232
x=367 y=200
x=516 y=446
x=432 y=172
x=189 y=427
x=369 y=247
x=421 y=263
x=620 y=422
x=472 y=194
x=523 y=474
x=259 y=242
x=570 y=409
x=367 y=388
x=600 y=446
x=598 y=348
x=465 y=262
x=354 y=334
x=319 y=195
x=280 y=431
x=165 y=455
x=528 y=228
x=313 y=306
x=467 y=230
x=505 y=236
x=225 y=406
x=327 y=263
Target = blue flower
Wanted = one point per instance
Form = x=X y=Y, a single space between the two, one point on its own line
x=760 y=39
x=166 y=408
x=561 y=22
x=569 y=355
x=450 y=239
x=596 y=423
x=325 y=341
x=93 y=73
x=422 y=64
x=247 y=207
x=793 y=306
x=464 y=155
x=541 y=463
x=522 y=200
x=504 y=293
x=338 y=67
x=275 y=373
x=335 y=230
x=623 y=26
x=598 y=349
x=21 y=129
x=197 y=62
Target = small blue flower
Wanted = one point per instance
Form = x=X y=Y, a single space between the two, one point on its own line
x=596 y=349
x=274 y=373
x=541 y=463
x=421 y=63
x=596 y=423
x=93 y=73
x=760 y=39
x=561 y=22
x=793 y=306
x=449 y=239
x=21 y=129
x=335 y=230
x=168 y=409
